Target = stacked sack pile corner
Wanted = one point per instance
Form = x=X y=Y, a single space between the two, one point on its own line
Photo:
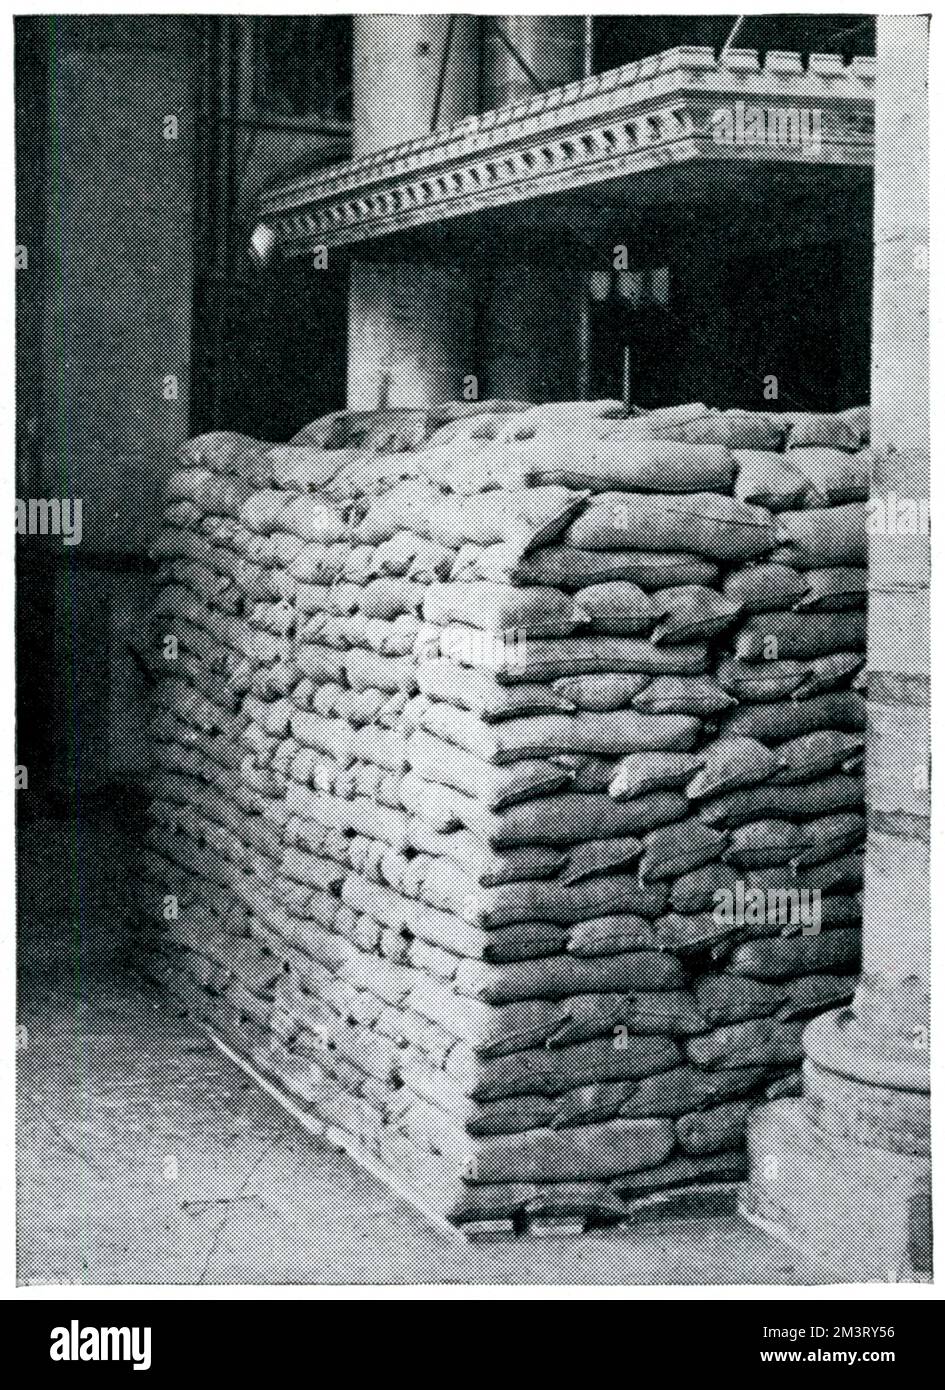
x=507 y=797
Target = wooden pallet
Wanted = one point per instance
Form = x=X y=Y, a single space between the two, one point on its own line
x=698 y=1200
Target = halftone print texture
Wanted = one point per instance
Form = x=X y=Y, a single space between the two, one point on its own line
x=528 y=735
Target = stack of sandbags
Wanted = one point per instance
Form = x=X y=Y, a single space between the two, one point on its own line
x=214 y=838
x=537 y=706
x=796 y=668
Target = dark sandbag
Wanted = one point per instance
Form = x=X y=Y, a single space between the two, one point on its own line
x=561 y=976
x=690 y=934
x=778 y=958
x=803 y=802
x=760 y=682
x=599 y=858
x=831 y=836
x=736 y=998
x=763 y=843
x=811 y=755
x=767 y=588
x=552 y=1071
x=730 y=763
x=641 y=773
x=838 y=590
x=696 y=891
x=692 y=612
x=573 y=568
x=711 y=1131
x=778 y=722
x=676 y=849
x=589 y=1152
x=760 y=1042
x=802 y=635
x=612 y=936
x=667 y=1013
x=675 y=1092
x=698 y=695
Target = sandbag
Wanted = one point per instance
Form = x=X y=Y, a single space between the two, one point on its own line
x=769 y=588
x=769 y=480
x=809 y=756
x=692 y=612
x=839 y=792
x=837 y=590
x=519 y=519
x=759 y=1042
x=834 y=475
x=822 y=538
x=537 y=612
x=800 y=635
x=847 y=430
x=783 y=720
x=730 y=763
x=697 y=695
x=624 y=458
x=619 y=608
x=641 y=773
x=684 y=1088
x=763 y=843
x=602 y=691
x=677 y=849
x=481 y=694
x=777 y=958
x=705 y=524
x=562 y=976
x=540 y=660
x=573 y=568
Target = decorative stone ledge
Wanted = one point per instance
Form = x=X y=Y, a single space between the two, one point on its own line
x=652 y=113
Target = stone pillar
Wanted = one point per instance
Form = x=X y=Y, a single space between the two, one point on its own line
x=843 y=1171
x=410 y=322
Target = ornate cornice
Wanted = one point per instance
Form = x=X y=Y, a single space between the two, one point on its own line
x=652 y=113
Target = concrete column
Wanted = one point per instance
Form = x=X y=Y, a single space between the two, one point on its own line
x=844 y=1171
x=410 y=323
x=410 y=333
